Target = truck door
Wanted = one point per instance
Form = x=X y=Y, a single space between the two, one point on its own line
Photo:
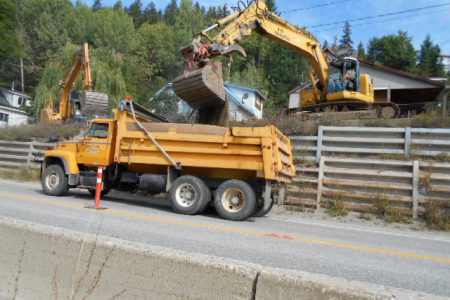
x=95 y=150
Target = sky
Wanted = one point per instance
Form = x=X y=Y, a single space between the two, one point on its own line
x=434 y=21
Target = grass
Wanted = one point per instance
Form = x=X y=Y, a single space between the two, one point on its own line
x=389 y=214
x=436 y=218
x=22 y=174
x=39 y=131
x=301 y=125
x=336 y=208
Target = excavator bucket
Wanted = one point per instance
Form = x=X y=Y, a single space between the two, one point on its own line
x=201 y=88
x=94 y=103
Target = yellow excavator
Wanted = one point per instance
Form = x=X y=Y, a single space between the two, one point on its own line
x=90 y=102
x=336 y=83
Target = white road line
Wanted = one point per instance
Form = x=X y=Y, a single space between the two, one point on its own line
x=336 y=226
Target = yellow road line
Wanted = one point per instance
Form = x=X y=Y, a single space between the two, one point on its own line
x=307 y=240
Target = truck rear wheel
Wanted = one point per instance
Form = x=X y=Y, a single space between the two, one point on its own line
x=54 y=181
x=235 y=200
x=189 y=195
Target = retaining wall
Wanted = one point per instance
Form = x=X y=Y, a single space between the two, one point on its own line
x=42 y=262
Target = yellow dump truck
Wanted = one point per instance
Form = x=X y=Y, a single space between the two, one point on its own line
x=241 y=170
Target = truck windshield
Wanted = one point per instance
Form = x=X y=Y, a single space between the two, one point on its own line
x=99 y=130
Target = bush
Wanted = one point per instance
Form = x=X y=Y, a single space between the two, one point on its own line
x=435 y=217
x=39 y=131
x=336 y=208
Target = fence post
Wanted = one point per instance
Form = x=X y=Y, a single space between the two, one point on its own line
x=320 y=183
x=415 y=188
x=408 y=142
x=319 y=144
x=30 y=151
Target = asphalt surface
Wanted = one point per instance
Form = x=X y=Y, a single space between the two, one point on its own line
x=417 y=261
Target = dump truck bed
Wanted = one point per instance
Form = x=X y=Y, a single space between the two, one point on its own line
x=213 y=151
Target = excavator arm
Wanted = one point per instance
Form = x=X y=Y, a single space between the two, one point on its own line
x=257 y=17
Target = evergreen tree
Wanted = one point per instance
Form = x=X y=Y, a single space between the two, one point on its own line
x=171 y=12
x=151 y=14
x=430 y=62
x=335 y=45
x=135 y=11
x=10 y=49
x=118 y=5
x=346 y=39
x=271 y=5
x=395 y=51
x=361 y=50
x=97 y=5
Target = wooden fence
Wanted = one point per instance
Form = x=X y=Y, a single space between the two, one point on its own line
x=367 y=166
x=20 y=154
x=371 y=142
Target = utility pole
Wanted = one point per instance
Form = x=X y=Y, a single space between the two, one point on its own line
x=22 y=76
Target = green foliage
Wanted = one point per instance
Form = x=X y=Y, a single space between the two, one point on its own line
x=361 y=50
x=346 y=39
x=430 y=63
x=10 y=47
x=106 y=73
x=395 y=51
x=436 y=217
x=336 y=208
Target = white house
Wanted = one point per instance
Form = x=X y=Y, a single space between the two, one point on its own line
x=11 y=103
x=244 y=103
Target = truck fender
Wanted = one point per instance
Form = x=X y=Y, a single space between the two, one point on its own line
x=68 y=161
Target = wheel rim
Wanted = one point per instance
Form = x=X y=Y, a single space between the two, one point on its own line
x=185 y=195
x=233 y=200
x=52 y=180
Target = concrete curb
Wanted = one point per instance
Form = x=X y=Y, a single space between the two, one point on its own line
x=43 y=262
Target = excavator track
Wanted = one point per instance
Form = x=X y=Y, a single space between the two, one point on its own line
x=387 y=110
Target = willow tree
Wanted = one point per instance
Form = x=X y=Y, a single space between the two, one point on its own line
x=107 y=75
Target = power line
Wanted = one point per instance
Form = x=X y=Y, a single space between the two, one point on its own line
x=384 y=20
x=381 y=15
x=313 y=6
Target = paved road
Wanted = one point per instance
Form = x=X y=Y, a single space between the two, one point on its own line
x=413 y=260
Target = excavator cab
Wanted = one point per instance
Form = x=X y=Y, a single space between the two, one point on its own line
x=344 y=75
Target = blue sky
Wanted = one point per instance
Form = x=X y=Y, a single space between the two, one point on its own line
x=433 y=21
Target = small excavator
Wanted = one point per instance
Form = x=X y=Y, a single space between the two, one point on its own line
x=90 y=103
x=336 y=83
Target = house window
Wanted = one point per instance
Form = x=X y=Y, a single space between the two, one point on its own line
x=4 y=117
x=22 y=101
x=258 y=103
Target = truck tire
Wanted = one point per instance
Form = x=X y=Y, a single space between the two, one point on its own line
x=103 y=193
x=235 y=200
x=260 y=211
x=189 y=195
x=54 y=181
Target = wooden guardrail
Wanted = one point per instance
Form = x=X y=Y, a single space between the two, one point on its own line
x=20 y=154
x=368 y=166
x=371 y=141
x=363 y=184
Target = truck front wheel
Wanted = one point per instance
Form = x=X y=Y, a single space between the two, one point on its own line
x=235 y=200
x=189 y=195
x=54 y=181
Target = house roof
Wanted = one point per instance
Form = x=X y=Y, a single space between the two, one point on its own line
x=14 y=92
x=3 y=101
